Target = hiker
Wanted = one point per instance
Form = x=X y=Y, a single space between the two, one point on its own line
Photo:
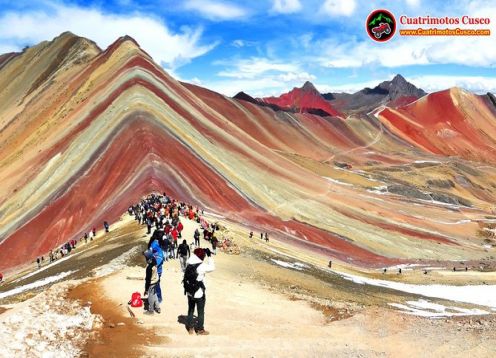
x=196 y=235
x=194 y=287
x=106 y=226
x=171 y=246
x=86 y=238
x=330 y=264
x=159 y=260
x=266 y=237
x=399 y=271
x=384 y=271
x=180 y=228
x=251 y=234
x=214 y=241
x=466 y=268
x=151 y=283
x=1 y=277
x=38 y=261
x=94 y=232
x=183 y=253
x=261 y=236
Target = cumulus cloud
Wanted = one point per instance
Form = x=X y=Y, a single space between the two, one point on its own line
x=169 y=48
x=216 y=10
x=259 y=76
x=286 y=6
x=476 y=84
x=254 y=67
x=339 y=7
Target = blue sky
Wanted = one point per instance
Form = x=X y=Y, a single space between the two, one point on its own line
x=266 y=47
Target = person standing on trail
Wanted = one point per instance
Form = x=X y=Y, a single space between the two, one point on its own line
x=159 y=260
x=180 y=228
x=38 y=261
x=214 y=241
x=194 y=288
x=183 y=253
x=1 y=277
x=261 y=236
x=196 y=235
x=94 y=232
x=151 y=283
x=251 y=234
x=106 y=226
x=266 y=237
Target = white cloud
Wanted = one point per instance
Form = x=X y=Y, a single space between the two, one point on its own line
x=339 y=7
x=286 y=6
x=216 y=10
x=476 y=84
x=413 y=3
x=165 y=46
x=256 y=66
x=298 y=77
x=259 y=77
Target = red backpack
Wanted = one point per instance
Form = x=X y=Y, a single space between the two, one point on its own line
x=136 y=300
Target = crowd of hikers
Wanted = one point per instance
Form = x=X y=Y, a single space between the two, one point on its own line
x=163 y=215
x=70 y=245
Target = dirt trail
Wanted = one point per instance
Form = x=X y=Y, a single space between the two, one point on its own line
x=250 y=318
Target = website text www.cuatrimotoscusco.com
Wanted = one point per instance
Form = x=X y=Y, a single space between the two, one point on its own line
x=445 y=32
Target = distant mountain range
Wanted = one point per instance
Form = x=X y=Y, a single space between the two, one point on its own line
x=308 y=99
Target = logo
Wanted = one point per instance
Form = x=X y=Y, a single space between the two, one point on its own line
x=381 y=25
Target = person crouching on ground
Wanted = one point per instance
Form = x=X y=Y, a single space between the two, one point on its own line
x=194 y=287
x=151 y=283
x=183 y=253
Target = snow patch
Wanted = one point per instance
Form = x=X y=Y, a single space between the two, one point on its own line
x=337 y=181
x=35 y=284
x=46 y=326
x=425 y=308
x=296 y=266
x=483 y=295
x=116 y=264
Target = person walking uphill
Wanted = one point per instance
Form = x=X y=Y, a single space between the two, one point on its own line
x=183 y=253
x=151 y=282
x=194 y=288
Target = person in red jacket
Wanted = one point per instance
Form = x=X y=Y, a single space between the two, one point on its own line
x=180 y=228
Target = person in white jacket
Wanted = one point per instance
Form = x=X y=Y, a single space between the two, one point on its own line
x=194 y=287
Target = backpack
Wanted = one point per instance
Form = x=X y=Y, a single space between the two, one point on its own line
x=190 y=282
x=136 y=300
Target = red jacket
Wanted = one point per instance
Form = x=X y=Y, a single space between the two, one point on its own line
x=180 y=227
x=174 y=234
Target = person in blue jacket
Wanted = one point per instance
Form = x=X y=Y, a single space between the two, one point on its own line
x=159 y=258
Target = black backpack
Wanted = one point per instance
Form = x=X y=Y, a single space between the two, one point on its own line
x=190 y=282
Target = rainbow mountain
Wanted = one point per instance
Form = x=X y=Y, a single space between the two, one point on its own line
x=86 y=132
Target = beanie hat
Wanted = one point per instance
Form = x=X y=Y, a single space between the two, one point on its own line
x=200 y=253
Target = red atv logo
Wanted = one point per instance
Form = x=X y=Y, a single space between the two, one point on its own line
x=383 y=28
x=380 y=25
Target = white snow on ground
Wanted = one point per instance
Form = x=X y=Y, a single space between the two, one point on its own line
x=427 y=161
x=483 y=295
x=35 y=284
x=116 y=264
x=46 y=326
x=425 y=308
x=44 y=267
x=337 y=181
x=296 y=266
x=403 y=266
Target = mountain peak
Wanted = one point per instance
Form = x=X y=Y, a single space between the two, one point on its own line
x=308 y=86
x=398 y=79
